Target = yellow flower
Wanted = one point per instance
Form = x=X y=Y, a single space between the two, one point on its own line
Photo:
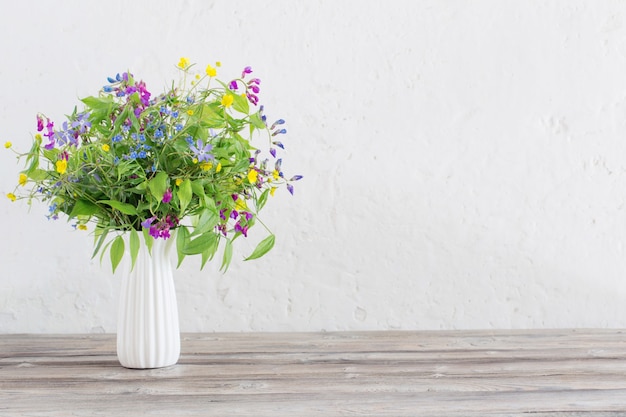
x=179 y=181
x=218 y=168
x=276 y=174
x=218 y=64
x=82 y=227
x=227 y=100
x=23 y=179
x=197 y=76
x=240 y=204
x=190 y=112
x=211 y=71
x=206 y=166
x=61 y=166
x=11 y=196
x=252 y=176
x=38 y=137
x=272 y=191
x=7 y=144
x=106 y=147
x=194 y=160
x=183 y=63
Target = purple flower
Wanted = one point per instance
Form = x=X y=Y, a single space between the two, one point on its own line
x=148 y=222
x=290 y=188
x=167 y=197
x=200 y=152
x=241 y=229
x=246 y=70
x=252 y=98
x=39 y=123
x=161 y=229
x=82 y=122
x=233 y=85
x=277 y=122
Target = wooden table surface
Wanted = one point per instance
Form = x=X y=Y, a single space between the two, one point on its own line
x=533 y=373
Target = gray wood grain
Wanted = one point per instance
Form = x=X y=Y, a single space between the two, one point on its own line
x=534 y=373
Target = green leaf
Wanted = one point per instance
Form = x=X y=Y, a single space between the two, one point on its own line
x=182 y=239
x=200 y=244
x=134 y=247
x=38 y=174
x=148 y=239
x=227 y=256
x=262 y=248
x=103 y=234
x=240 y=103
x=206 y=222
x=262 y=200
x=123 y=207
x=97 y=103
x=256 y=121
x=184 y=195
x=83 y=208
x=117 y=252
x=198 y=188
x=158 y=185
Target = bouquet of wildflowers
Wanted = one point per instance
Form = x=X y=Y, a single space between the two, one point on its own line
x=133 y=162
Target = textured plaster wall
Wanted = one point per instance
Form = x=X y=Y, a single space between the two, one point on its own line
x=464 y=162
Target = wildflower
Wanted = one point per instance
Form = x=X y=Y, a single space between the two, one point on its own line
x=201 y=152
x=252 y=98
x=273 y=191
x=82 y=227
x=167 y=197
x=39 y=123
x=23 y=179
x=11 y=196
x=7 y=144
x=227 y=100
x=211 y=71
x=183 y=63
x=241 y=229
x=148 y=222
x=276 y=123
x=106 y=148
x=253 y=176
x=246 y=70
x=179 y=181
x=61 y=166
x=206 y=166
x=241 y=205
x=218 y=168
x=190 y=112
x=82 y=123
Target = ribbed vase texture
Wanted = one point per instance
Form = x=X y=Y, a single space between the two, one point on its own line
x=148 y=334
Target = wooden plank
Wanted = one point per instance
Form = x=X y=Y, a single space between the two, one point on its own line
x=451 y=373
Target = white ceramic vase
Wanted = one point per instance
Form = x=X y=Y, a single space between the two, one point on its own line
x=148 y=334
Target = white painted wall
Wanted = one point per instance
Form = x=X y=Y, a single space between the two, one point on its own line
x=464 y=162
